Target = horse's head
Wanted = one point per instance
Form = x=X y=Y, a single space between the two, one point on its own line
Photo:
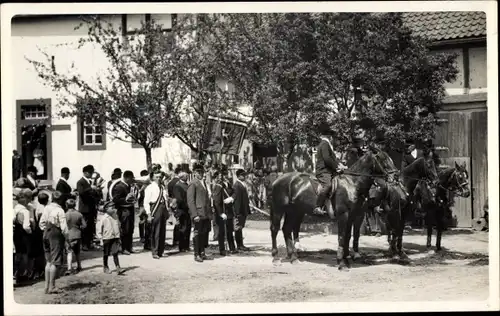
x=459 y=180
x=382 y=163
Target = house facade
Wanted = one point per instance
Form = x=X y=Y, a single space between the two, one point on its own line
x=50 y=142
x=462 y=136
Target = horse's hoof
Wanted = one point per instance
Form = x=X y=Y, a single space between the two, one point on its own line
x=395 y=258
x=295 y=261
x=439 y=249
x=343 y=267
x=356 y=256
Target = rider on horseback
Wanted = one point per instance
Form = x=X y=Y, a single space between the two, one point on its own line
x=327 y=166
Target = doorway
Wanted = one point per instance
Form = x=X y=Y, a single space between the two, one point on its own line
x=34 y=138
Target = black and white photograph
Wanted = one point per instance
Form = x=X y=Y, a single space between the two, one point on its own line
x=271 y=157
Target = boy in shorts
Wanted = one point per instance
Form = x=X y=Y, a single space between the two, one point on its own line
x=108 y=232
x=76 y=223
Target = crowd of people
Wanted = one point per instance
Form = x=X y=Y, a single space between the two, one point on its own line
x=52 y=226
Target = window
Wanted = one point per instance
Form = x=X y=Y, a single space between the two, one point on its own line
x=33 y=112
x=91 y=134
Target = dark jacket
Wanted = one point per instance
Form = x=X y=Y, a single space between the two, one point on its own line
x=219 y=194
x=326 y=161
x=198 y=200
x=408 y=158
x=170 y=187
x=241 y=201
x=119 y=193
x=179 y=192
x=63 y=187
x=86 y=194
x=268 y=182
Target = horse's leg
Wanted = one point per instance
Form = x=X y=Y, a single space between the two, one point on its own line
x=275 y=228
x=429 y=213
x=358 y=221
x=287 y=233
x=296 y=231
x=342 y=218
x=439 y=218
x=401 y=228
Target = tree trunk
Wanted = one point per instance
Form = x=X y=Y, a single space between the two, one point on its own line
x=149 y=159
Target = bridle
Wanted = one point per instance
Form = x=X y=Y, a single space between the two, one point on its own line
x=386 y=175
x=457 y=186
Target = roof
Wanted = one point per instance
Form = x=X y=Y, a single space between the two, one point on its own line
x=449 y=25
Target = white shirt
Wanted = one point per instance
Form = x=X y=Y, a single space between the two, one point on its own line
x=61 y=178
x=414 y=153
x=151 y=194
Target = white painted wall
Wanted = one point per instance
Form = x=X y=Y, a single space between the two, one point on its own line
x=57 y=37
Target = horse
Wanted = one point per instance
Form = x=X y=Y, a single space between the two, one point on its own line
x=294 y=195
x=452 y=181
x=393 y=199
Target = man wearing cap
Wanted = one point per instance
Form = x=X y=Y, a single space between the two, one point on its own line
x=241 y=207
x=155 y=205
x=179 y=193
x=199 y=206
x=124 y=199
x=327 y=166
x=64 y=187
x=87 y=205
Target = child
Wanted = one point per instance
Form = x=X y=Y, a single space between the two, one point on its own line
x=22 y=233
x=38 y=256
x=108 y=231
x=76 y=223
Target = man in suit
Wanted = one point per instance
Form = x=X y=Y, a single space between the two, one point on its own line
x=144 y=226
x=155 y=206
x=32 y=181
x=87 y=205
x=170 y=188
x=64 y=187
x=411 y=154
x=327 y=166
x=241 y=207
x=123 y=198
x=198 y=202
x=268 y=183
x=179 y=193
x=115 y=176
x=17 y=165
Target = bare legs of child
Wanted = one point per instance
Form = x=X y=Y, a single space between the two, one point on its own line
x=116 y=262
x=50 y=278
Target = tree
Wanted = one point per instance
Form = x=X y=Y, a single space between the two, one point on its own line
x=138 y=96
x=372 y=66
x=268 y=59
x=199 y=74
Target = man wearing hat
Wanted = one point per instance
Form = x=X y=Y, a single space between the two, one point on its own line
x=64 y=187
x=124 y=200
x=200 y=210
x=327 y=166
x=115 y=176
x=87 y=205
x=241 y=207
x=411 y=154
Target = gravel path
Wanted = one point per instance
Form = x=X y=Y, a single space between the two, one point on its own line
x=459 y=273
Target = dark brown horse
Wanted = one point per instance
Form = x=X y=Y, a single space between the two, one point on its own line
x=294 y=195
x=452 y=181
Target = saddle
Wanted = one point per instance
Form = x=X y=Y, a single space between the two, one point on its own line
x=328 y=207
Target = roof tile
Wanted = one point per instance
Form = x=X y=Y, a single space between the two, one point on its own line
x=447 y=24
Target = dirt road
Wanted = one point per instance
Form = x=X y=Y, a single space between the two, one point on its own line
x=459 y=273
